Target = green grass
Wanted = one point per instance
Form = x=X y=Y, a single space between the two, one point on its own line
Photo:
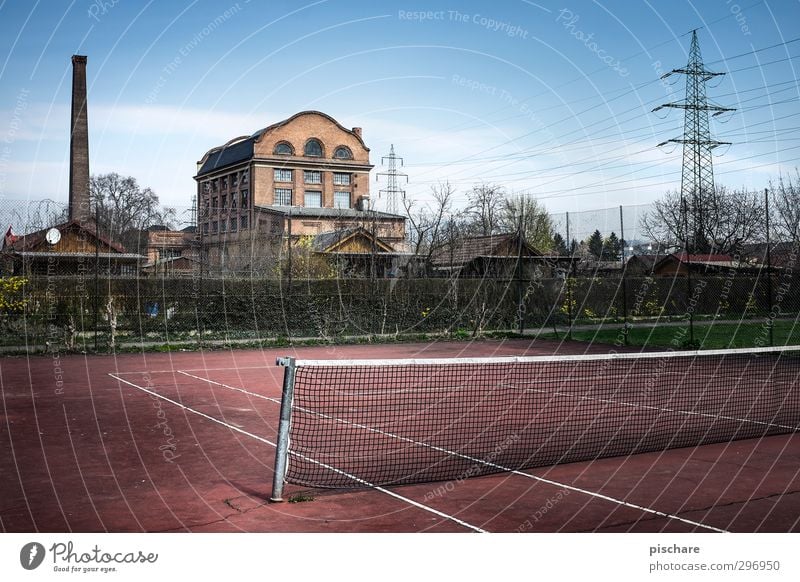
x=707 y=336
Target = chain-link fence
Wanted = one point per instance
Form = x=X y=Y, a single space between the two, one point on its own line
x=643 y=295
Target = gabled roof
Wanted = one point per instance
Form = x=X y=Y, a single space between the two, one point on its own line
x=472 y=247
x=241 y=148
x=331 y=242
x=28 y=242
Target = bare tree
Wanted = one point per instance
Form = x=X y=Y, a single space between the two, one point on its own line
x=124 y=209
x=484 y=209
x=537 y=226
x=785 y=197
x=428 y=225
x=730 y=218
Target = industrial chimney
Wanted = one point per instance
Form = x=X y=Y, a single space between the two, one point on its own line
x=79 y=145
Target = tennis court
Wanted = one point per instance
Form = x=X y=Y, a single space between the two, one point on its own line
x=186 y=442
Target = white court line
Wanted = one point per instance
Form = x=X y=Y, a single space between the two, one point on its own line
x=305 y=458
x=469 y=458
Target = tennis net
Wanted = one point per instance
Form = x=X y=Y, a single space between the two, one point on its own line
x=355 y=423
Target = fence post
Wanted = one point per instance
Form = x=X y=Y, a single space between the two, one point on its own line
x=520 y=290
x=687 y=251
x=97 y=271
x=625 y=328
x=769 y=272
x=568 y=282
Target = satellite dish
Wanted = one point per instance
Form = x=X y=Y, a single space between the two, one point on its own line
x=53 y=236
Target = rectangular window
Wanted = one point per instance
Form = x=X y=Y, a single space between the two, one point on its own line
x=341 y=179
x=234 y=223
x=234 y=180
x=312 y=177
x=214 y=208
x=282 y=175
x=233 y=201
x=214 y=227
x=341 y=199
x=214 y=185
x=245 y=176
x=313 y=199
x=283 y=196
x=205 y=228
x=206 y=187
x=245 y=198
x=225 y=183
x=224 y=201
x=243 y=221
x=223 y=225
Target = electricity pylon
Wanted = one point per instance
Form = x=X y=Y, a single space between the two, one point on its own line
x=697 y=176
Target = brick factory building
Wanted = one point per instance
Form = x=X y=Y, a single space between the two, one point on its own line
x=304 y=176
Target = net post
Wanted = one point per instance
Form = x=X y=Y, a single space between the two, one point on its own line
x=282 y=450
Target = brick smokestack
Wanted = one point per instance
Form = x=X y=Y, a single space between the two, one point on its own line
x=79 y=145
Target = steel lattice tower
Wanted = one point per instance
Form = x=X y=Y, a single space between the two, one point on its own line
x=392 y=190
x=697 y=176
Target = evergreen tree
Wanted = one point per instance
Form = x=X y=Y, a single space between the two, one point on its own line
x=559 y=245
x=595 y=244
x=612 y=248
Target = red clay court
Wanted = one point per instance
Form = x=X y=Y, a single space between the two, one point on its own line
x=186 y=442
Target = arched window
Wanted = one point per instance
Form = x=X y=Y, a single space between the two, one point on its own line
x=283 y=148
x=313 y=148
x=343 y=153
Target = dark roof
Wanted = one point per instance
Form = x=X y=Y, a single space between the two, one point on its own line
x=29 y=241
x=241 y=149
x=780 y=253
x=233 y=152
x=648 y=261
x=697 y=261
x=470 y=248
x=307 y=212
x=325 y=239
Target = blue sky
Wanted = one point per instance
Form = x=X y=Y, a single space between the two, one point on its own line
x=551 y=99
